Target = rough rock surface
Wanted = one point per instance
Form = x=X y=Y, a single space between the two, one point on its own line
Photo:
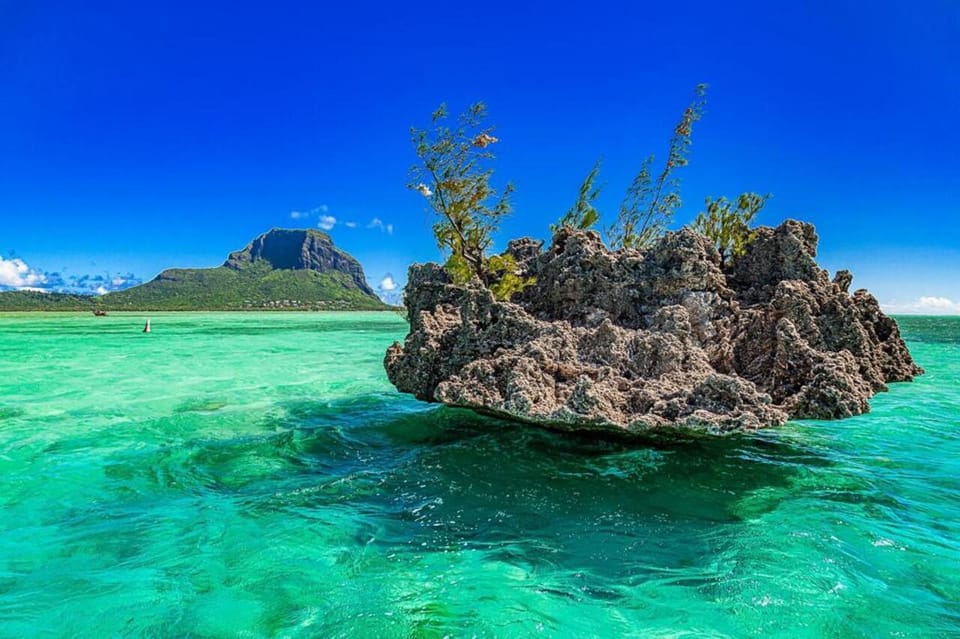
x=654 y=342
x=299 y=249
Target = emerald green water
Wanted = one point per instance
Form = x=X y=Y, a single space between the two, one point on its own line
x=255 y=475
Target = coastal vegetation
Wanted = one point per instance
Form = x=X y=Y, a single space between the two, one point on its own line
x=649 y=204
x=454 y=172
x=583 y=214
x=727 y=224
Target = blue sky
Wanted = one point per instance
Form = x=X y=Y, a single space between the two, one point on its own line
x=137 y=136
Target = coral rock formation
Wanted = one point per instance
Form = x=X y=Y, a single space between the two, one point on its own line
x=643 y=343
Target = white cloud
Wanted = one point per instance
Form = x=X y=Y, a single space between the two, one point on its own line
x=936 y=302
x=302 y=215
x=387 y=283
x=326 y=221
x=377 y=223
x=925 y=305
x=390 y=291
x=15 y=273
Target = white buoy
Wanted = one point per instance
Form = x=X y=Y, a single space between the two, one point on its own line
x=146 y=329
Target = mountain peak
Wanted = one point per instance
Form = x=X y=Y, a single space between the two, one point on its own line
x=298 y=250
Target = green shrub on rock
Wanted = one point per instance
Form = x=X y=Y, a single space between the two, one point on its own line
x=727 y=224
x=583 y=214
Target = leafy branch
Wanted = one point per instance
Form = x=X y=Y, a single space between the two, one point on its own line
x=583 y=214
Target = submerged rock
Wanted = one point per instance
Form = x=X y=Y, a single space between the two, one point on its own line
x=641 y=343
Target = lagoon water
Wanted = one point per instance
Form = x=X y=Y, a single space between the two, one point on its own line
x=255 y=475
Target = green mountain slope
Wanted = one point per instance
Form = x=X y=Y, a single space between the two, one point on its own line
x=281 y=269
x=256 y=287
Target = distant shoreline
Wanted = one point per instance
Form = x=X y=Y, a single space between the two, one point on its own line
x=389 y=309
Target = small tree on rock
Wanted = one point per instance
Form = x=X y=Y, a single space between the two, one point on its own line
x=727 y=224
x=453 y=174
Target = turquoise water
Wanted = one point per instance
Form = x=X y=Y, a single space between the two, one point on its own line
x=255 y=475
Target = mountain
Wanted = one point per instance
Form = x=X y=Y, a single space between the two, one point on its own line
x=285 y=249
x=280 y=269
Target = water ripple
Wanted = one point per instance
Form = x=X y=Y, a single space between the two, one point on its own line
x=255 y=475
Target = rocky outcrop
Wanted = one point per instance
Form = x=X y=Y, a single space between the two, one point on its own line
x=647 y=343
x=299 y=249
